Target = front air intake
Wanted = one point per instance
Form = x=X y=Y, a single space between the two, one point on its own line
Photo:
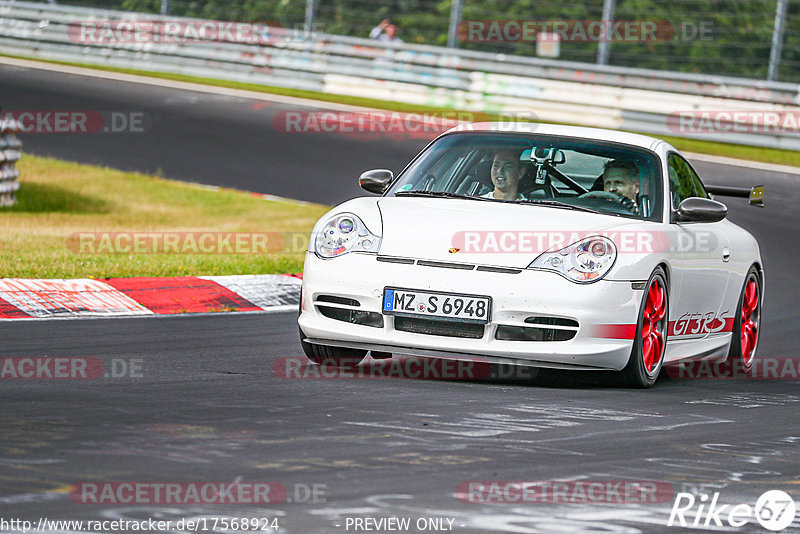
x=362 y=318
x=439 y=328
x=338 y=300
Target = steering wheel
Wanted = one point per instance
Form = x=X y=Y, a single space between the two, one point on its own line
x=604 y=198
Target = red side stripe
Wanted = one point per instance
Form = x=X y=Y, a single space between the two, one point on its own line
x=728 y=324
x=185 y=294
x=614 y=331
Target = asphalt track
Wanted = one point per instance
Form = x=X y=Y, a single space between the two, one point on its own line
x=205 y=138
x=208 y=405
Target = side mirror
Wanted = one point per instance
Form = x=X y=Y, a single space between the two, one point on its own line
x=376 y=181
x=696 y=209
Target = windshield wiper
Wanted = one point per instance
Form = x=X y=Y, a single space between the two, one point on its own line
x=559 y=204
x=443 y=194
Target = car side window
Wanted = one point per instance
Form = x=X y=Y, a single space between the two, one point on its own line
x=683 y=181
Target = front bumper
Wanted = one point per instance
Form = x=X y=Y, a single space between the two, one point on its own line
x=606 y=312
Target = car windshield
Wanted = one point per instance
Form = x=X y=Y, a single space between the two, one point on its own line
x=581 y=174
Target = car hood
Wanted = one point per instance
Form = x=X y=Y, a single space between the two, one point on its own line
x=484 y=232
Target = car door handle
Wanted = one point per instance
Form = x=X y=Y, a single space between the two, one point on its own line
x=726 y=254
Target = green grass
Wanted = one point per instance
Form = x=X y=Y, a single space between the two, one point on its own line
x=753 y=153
x=767 y=155
x=58 y=201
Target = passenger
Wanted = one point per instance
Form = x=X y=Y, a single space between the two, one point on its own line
x=507 y=170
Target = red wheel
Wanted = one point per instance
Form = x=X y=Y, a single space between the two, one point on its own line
x=654 y=326
x=749 y=328
x=651 y=334
x=746 y=326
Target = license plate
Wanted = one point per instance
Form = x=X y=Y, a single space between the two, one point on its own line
x=410 y=302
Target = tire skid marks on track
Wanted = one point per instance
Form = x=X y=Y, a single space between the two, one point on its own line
x=34 y=497
x=478 y=425
x=749 y=400
x=583 y=413
x=524 y=418
x=391 y=461
x=710 y=470
x=207 y=450
x=756 y=451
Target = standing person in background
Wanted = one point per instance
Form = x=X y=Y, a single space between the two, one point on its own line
x=385 y=32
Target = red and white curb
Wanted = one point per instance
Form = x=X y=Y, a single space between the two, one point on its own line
x=25 y=299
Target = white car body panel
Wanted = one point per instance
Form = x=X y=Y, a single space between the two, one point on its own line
x=366 y=278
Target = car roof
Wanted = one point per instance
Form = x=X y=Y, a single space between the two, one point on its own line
x=582 y=132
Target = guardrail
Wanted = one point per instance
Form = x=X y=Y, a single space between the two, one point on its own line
x=553 y=91
x=10 y=153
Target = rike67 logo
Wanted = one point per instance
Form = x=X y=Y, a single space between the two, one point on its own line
x=774 y=510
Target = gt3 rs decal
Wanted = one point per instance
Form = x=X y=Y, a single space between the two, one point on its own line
x=687 y=325
x=699 y=324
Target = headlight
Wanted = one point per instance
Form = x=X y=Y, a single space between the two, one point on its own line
x=341 y=234
x=587 y=260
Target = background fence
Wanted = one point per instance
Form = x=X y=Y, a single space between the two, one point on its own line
x=733 y=38
x=553 y=90
x=10 y=153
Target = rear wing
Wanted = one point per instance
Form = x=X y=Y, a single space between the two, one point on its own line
x=755 y=195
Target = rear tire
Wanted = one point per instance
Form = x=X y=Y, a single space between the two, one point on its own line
x=334 y=356
x=746 y=325
x=650 y=340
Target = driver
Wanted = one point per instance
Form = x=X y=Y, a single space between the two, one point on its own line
x=621 y=178
x=507 y=170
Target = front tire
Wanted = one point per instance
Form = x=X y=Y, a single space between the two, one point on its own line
x=334 y=356
x=747 y=324
x=650 y=340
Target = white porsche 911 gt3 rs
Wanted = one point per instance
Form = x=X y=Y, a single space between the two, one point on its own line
x=540 y=245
